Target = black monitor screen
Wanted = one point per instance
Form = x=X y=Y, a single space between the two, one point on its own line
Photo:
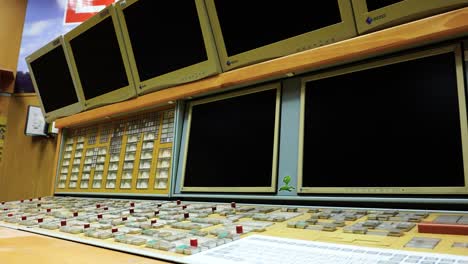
x=391 y=126
x=247 y=25
x=54 y=80
x=231 y=142
x=377 y=4
x=175 y=27
x=98 y=60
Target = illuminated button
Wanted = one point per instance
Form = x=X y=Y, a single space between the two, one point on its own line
x=239 y=229
x=194 y=242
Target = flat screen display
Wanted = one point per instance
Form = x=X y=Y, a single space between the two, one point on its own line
x=391 y=126
x=247 y=25
x=165 y=36
x=99 y=60
x=377 y=4
x=53 y=80
x=231 y=142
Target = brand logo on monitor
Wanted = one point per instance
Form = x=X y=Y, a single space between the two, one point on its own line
x=78 y=11
x=229 y=63
x=370 y=20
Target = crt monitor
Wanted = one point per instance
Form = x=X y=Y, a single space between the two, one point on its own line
x=183 y=49
x=373 y=15
x=99 y=59
x=394 y=126
x=53 y=81
x=232 y=142
x=248 y=32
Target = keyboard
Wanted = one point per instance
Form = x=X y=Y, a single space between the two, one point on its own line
x=259 y=249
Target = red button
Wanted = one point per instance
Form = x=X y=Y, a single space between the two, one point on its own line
x=186 y=215
x=184 y=207
x=178 y=202
x=124 y=218
x=3 y=202
x=5 y=209
x=40 y=220
x=63 y=223
x=132 y=204
x=23 y=218
x=153 y=221
x=30 y=199
x=99 y=216
x=114 y=230
x=21 y=200
x=86 y=225
x=233 y=204
x=75 y=214
x=131 y=210
x=194 y=242
x=239 y=229
x=98 y=206
x=10 y=215
x=48 y=210
x=105 y=208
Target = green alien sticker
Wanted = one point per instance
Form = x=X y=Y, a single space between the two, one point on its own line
x=286 y=187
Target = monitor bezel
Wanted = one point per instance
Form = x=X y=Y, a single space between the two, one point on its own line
x=183 y=75
x=398 y=13
x=66 y=110
x=457 y=51
x=275 y=154
x=327 y=35
x=117 y=95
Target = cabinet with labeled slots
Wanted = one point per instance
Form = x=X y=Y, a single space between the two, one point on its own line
x=127 y=155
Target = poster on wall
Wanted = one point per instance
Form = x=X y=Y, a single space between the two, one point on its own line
x=45 y=20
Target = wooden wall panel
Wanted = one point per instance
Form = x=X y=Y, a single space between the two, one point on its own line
x=28 y=162
x=12 y=15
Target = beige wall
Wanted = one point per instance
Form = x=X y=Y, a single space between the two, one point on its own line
x=26 y=170
x=12 y=14
x=28 y=162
